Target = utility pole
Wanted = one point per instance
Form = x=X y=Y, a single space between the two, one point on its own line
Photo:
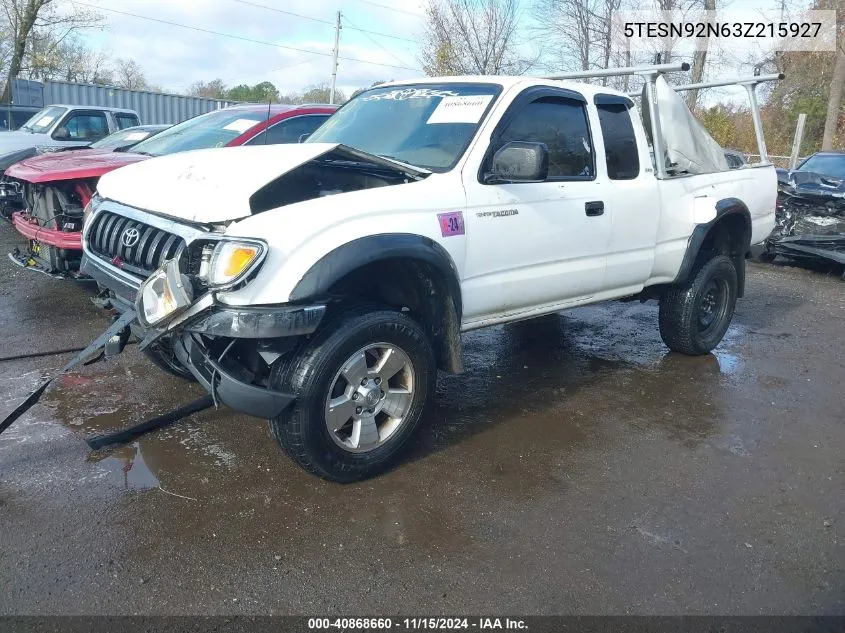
x=335 y=52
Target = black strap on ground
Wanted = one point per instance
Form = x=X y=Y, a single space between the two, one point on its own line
x=127 y=435
x=96 y=345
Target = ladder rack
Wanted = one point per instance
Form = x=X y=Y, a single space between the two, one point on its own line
x=623 y=70
x=750 y=84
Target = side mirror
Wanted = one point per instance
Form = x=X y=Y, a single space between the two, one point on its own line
x=61 y=134
x=303 y=137
x=519 y=161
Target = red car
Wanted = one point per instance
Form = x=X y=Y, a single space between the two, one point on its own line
x=53 y=189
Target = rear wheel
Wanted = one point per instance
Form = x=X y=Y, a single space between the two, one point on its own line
x=362 y=383
x=695 y=316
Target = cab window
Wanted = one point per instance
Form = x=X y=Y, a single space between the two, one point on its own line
x=620 y=144
x=83 y=126
x=561 y=124
x=125 y=120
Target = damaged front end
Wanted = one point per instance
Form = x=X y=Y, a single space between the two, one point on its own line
x=230 y=351
x=170 y=270
x=809 y=218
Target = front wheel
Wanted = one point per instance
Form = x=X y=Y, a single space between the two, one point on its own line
x=695 y=316
x=361 y=385
x=162 y=355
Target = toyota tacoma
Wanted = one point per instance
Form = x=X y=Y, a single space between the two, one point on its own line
x=322 y=285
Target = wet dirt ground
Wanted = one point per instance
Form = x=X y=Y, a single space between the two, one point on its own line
x=576 y=467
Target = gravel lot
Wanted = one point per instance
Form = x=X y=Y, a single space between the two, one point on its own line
x=576 y=467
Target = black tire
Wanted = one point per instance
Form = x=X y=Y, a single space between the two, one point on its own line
x=686 y=325
x=302 y=430
x=162 y=356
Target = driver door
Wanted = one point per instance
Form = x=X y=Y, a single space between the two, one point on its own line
x=537 y=246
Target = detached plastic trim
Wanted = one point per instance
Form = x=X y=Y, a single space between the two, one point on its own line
x=261 y=322
x=225 y=388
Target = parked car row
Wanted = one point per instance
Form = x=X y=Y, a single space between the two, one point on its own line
x=321 y=284
x=45 y=195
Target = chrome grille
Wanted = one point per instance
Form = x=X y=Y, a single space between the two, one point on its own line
x=153 y=248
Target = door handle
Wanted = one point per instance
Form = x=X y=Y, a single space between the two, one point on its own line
x=594 y=208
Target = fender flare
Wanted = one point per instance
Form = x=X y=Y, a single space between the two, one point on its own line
x=365 y=250
x=724 y=208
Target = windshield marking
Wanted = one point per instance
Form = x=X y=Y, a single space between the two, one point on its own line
x=463 y=109
x=410 y=93
x=240 y=125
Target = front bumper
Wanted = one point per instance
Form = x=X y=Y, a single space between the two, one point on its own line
x=123 y=285
x=27 y=226
x=226 y=388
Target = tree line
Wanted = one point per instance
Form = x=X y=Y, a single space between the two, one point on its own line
x=547 y=36
x=44 y=39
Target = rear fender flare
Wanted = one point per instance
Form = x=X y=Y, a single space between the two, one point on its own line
x=725 y=208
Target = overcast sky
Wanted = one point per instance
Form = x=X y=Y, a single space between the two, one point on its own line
x=174 y=57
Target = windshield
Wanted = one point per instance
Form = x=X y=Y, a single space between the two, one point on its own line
x=43 y=120
x=124 y=138
x=826 y=165
x=426 y=125
x=214 y=129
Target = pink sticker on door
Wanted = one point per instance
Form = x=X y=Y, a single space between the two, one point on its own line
x=451 y=223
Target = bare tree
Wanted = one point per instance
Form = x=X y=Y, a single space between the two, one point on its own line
x=583 y=35
x=69 y=60
x=837 y=84
x=130 y=75
x=214 y=89
x=23 y=18
x=699 y=59
x=467 y=37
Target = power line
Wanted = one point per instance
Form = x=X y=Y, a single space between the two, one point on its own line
x=297 y=15
x=384 y=6
x=377 y=44
x=313 y=19
x=235 y=37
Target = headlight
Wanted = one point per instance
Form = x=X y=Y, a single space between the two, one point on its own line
x=232 y=260
x=165 y=293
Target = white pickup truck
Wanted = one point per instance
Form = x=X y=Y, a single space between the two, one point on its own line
x=322 y=285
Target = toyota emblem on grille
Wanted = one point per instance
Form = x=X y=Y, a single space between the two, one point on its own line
x=130 y=237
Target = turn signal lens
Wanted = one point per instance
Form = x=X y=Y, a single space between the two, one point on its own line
x=239 y=259
x=231 y=260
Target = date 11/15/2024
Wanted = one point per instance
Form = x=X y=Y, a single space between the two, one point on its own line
x=420 y=623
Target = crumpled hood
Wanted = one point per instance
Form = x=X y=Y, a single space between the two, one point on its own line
x=215 y=185
x=80 y=163
x=813 y=186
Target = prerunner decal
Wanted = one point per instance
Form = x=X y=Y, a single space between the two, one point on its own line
x=466 y=109
x=451 y=223
x=410 y=93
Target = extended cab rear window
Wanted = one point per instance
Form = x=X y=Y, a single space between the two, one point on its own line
x=125 y=120
x=620 y=144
